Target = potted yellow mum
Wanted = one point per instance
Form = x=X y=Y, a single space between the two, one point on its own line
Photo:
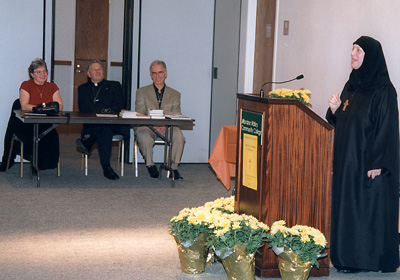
x=298 y=248
x=235 y=239
x=191 y=228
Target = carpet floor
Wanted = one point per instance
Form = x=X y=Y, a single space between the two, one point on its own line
x=87 y=227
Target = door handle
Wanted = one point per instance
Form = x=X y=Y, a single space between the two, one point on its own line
x=78 y=69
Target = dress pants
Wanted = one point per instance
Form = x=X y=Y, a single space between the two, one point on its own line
x=104 y=135
x=146 y=138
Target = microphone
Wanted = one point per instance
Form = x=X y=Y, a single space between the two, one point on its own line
x=299 y=77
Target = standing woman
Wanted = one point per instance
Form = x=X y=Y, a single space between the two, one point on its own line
x=365 y=203
x=32 y=92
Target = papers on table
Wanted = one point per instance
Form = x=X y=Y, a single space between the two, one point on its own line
x=126 y=114
x=156 y=114
x=153 y=114
x=178 y=117
x=107 y=115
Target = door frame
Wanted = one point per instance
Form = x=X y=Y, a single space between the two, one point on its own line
x=127 y=47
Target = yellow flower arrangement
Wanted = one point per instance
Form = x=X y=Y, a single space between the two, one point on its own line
x=307 y=242
x=191 y=222
x=302 y=95
x=233 y=229
x=223 y=204
x=235 y=238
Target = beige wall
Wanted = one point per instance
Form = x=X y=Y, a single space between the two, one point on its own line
x=320 y=39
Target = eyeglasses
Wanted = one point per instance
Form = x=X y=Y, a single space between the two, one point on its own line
x=40 y=72
x=157 y=73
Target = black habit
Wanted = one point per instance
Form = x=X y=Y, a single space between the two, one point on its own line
x=365 y=211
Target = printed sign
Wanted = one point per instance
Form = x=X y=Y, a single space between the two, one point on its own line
x=250 y=164
x=251 y=123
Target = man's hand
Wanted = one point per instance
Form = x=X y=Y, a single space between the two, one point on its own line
x=160 y=129
x=334 y=102
x=374 y=173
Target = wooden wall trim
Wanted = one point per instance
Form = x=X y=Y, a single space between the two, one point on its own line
x=264 y=46
x=68 y=62
x=118 y=64
x=62 y=62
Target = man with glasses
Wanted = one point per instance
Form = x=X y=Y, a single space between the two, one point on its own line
x=158 y=96
x=100 y=96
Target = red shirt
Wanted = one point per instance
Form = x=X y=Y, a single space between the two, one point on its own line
x=39 y=93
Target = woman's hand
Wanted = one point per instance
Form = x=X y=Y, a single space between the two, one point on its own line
x=57 y=98
x=374 y=173
x=334 y=102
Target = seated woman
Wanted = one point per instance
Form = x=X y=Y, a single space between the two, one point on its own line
x=32 y=92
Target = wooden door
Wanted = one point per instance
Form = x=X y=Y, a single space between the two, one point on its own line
x=91 y=39
x=264 y=44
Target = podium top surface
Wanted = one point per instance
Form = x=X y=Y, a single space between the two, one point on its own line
x=281 y=101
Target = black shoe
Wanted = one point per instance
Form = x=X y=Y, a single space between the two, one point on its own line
x=109 y=173
x=350 y=270
x=153 y=171
x=177 y=176
x=86 y=144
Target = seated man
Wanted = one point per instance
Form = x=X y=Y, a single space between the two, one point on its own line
x=98 y=96
x=158 y=96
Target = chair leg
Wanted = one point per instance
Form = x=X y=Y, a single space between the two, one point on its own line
x=59 y=167
x=9 y=154
x=86 y=165
x=168 y=163
x=134 y=155
x=122 y=151
x=119 y=154
x=136 y=158
x=21 y=155
x=22 y=159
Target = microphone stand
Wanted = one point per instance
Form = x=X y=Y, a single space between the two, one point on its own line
x=299 y=77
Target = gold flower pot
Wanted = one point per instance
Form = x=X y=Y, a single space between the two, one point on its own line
x=193 y=258
x=239 y=265
x=291 y=267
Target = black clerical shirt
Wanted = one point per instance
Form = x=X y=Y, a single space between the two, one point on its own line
x=159 y=96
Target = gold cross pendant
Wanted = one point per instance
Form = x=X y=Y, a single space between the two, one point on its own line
x=346 y=103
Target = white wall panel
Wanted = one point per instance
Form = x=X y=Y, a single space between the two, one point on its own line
x=247 y=44
x=64 y=50
x=225 y=60
x=115 y=39
x=21 y=41
x=180 y=32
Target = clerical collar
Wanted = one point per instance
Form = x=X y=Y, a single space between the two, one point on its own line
x=98 y=84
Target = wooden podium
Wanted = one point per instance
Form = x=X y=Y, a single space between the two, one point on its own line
x=287 y=174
